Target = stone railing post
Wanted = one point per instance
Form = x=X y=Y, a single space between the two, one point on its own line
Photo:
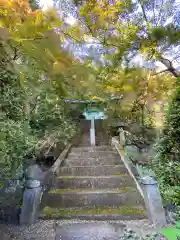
x=32 y=195
x=153 y=201
x=92 y=133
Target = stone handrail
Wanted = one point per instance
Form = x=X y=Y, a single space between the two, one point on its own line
x=147 y=187
x=60 y=159
x=129 y=165
x=14 y=190
x=34 y=192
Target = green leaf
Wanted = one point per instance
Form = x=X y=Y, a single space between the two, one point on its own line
x=171 y=233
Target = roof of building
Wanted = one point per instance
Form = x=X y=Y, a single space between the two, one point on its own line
x=91 y=101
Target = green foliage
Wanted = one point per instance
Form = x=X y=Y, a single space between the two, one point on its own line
x=12 y=96
x=16 y=139
x=21 y=138
x=30 y=108
x=166 y=164
x=171 y=232
x=139 y=89
x=130 y=234
x=34 y=4
x=29 y=117
x=34 y=74
x=134 y=27
x=16 y=143
x=50 y=117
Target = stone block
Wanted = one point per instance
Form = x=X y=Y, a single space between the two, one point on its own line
x=11 y=193
x=92 y=171
x=31 y=204
x=94 y=182
x=92 y=149
x=94 y=154
x=133 y=152
x=153 y=201
x=94 y=198
x=77 y=161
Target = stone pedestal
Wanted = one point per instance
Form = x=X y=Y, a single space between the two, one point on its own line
x=30 y=206
x=153 y=201
x=32 y=195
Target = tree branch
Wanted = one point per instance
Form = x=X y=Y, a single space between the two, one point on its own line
x=104 y=43
x=15 y=54
x=169 y=66
x=33 y=106
x=166 y=70
x=144 y=13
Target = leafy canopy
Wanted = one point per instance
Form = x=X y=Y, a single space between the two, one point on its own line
x=128 y=28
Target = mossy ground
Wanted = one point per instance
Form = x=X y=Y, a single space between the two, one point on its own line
x=55 y=212
x=73 y=190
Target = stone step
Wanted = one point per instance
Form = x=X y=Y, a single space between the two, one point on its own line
x=94 y=154
x=108 y=213
x=93 y=197
x=98 y=138
x=88 y=144
x=70 y=161
x=92 y=149
x=67 y=182
x=101 y=143
x=92 y=170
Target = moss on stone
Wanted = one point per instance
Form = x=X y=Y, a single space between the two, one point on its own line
x=1 y=184
x=65 y=177
x=73 y=190
x=76 y=177
x=61 y=212
x=119 y=174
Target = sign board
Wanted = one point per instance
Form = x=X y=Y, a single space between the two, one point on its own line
x=94 y=113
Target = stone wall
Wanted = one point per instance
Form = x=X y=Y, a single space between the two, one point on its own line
x=11 y=195
x=12 y=190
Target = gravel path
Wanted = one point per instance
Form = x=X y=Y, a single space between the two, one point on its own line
x=47 y=230
x=39 y=231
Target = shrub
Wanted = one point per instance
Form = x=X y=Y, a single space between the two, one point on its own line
x=16 y=142
x=166 y=164
x=51 y=119
x=28 y=119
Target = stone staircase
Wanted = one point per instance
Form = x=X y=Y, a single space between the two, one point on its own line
x=102 y=137
x=93 y=184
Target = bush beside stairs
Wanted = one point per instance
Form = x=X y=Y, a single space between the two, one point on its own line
x=93 y=184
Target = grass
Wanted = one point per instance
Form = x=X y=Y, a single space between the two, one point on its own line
x=73 y=190
x=55 y=212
